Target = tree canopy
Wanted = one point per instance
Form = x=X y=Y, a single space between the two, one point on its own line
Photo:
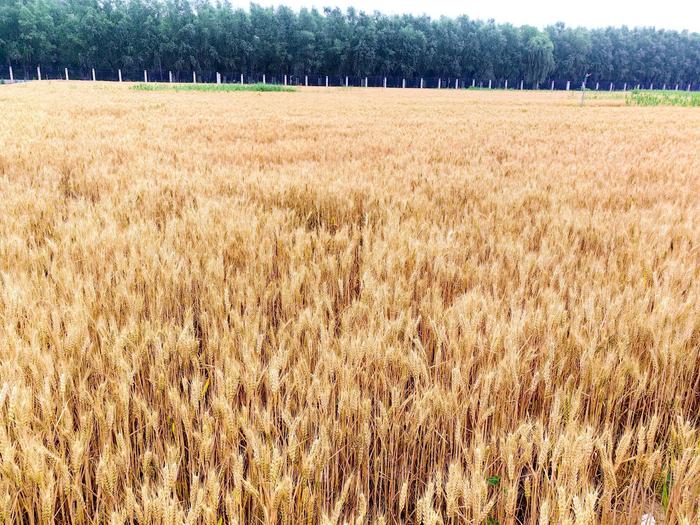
x=187 y=35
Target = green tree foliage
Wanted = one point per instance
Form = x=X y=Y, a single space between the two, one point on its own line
x=539 y=61
x=203 y=35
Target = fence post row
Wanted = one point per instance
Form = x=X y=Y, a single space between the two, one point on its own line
x=365 y=82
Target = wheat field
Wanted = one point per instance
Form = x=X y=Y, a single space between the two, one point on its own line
x=345 y=306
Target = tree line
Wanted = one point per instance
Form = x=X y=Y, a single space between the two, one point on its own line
x=199 y=35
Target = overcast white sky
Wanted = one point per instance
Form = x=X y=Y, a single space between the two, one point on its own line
x=668 y=14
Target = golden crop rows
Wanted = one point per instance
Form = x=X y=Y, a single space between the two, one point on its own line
x=347 y=306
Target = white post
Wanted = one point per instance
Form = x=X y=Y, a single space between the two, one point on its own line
x=489 y=84
x=522 y=82
x=506 y=84
x=12 y=76
x=439 y=82
x=624 y=87
x=65 y=70
x=170 y=77
x=38 y=72
x=145 y=75
x=568 y=85
x=421 y=83
x=285 y=80
x=94 y=78
x=264 y=80
x=597 y=84
x=664 y=88
x=119 y=71
x=346 y=81
x=326 y=80
x=456 y=83
x=403 y=83
x=676 y=84
x=689 y=86
x=218 y=78
x=306 y=80
x=473 y=82
x=611 y=86
x=651 y=87
x=384 y=81
x=242 y=79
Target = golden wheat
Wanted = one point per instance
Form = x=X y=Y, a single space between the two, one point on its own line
x=347 y=306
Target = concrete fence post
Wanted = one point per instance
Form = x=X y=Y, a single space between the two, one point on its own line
x=597 y=85
x=439 y=83
x=676 y=87
x=421 y=83
x=552 y=88
x=346 y=81
x=242 y=79
x=326 y=80
x=506 y=84
x=306 y=80
x=689 y=85
x=285 y=80
x=12 y=76
x=664 y=88
x=403 y=82
x=366 y=82
x=473 y=82
x=264 y=80
x=145 y=75
x=94 y=77
x=170 y=77
x=568 y=85
x=218 y=77
x=65 y=70
x=489 y=83
x=611 y=86
x=651 y=87
x=119 y=73
x=624 y=87
x=38 y=72
x=522 y=85
x=385 y=82
x=456 y=83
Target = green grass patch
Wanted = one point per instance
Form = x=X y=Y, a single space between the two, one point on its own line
x=663 y=98
x=211 y=87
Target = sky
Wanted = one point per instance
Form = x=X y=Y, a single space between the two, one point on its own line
x=669 y=14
